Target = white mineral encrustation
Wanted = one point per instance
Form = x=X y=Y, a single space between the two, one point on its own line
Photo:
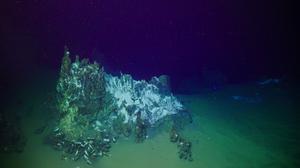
x=133 y=96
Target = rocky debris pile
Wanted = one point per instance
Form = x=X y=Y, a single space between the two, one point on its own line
x=94 y=108
x=11 y=136
x=83 y=107
x=87 y=149
x=184 y=146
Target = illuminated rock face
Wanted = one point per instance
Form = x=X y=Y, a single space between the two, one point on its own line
x=133 y=96
x=86 y=94
x=96 y=107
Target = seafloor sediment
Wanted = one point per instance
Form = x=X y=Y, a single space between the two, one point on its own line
x=224 y=133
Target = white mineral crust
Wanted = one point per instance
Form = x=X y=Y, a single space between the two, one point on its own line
x=133 y=96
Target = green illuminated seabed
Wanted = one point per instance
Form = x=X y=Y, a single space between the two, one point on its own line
x=224 y=133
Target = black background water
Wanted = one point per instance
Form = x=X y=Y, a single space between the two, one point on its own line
x=244 y=40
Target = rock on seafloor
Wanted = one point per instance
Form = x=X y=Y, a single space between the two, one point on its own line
x=133 y=96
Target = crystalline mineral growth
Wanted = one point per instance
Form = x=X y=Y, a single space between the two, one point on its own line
x=133 y=96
